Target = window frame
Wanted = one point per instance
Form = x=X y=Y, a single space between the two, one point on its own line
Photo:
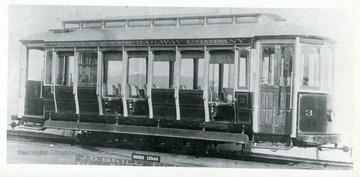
x=332 y=76
x=248 y=70
x=320 y=72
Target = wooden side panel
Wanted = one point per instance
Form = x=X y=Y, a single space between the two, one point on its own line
x=163 y=103
x=65 y=99
x=88 y=103
x=33 y=103
x=191 y=105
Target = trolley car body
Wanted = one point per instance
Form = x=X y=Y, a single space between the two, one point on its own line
x=247 y=79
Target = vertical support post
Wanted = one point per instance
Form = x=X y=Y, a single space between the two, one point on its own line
x=206 y=84
x=27 y=65
x=124 y=80
x=177 y=81
x=75 y=80
x=149 y=84
x=235 y=79
x=42 y=78
x=236 y=70
x=53 y=78
x=295 y=84
x=255 y=82
x=22 y=80
x=99 y=81
x=196 y=73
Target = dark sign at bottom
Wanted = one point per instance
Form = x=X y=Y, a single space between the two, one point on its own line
x=107 y=161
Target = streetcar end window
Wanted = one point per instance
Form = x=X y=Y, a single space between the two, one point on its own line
x=328 y=69
x=310 y=67
x=243 y=70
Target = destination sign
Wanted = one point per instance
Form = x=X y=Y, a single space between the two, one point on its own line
x=161 y=42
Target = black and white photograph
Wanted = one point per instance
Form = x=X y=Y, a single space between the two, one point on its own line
x=180 y=88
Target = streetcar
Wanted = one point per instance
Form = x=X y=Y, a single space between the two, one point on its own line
x=248 y=79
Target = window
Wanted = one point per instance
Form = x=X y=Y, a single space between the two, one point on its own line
x=328 y=69
x=72 y=25
x=287 y=54
x=220 y=20
x=164 y=22
x=243 y=19
x=87 y=69
x=112 y=73
x=276 y=64
x=139 y=23
x=64 y=70
x=191 y=21
x=91 y=24
x=243 y=70
x=115 y=24
x=310 y=67
x=268 y=65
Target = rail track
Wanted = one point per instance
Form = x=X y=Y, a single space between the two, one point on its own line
x=235 y=155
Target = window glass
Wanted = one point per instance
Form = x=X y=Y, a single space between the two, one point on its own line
x=242 y=70
x=287 y=54
x=268 y=65
x=137 y=72
x=161 y=75
x=48 y=68
x=87 y=69
x=112 y=74
x=36 y=63
x=328 y=69
x=310 y=66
